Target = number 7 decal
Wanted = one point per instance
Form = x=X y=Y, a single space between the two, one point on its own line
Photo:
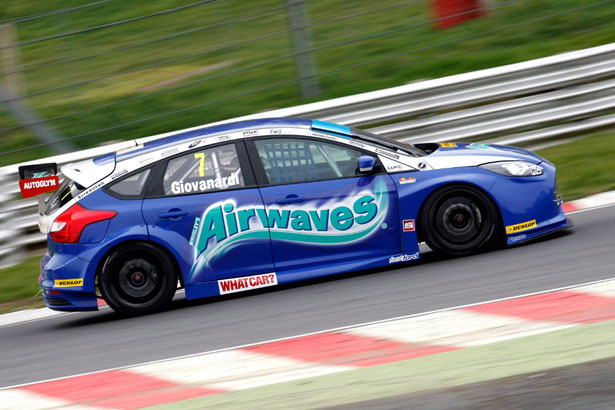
x=201 y=156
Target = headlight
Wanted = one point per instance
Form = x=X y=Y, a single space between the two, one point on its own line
x=514 y=168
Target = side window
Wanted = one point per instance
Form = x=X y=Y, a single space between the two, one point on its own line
x=131 y=186
x=288 y=160
x=206 y=170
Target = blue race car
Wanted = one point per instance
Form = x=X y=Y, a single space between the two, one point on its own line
x=259 y=203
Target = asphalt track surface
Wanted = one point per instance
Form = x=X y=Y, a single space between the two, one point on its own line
x=85 y=342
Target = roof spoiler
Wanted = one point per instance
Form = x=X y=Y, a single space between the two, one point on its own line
x=36 y=179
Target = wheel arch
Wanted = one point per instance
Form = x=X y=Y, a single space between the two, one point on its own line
x=139 y=241
x=500 y=229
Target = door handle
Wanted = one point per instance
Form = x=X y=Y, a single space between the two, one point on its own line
x=290 y=199
x=173 y=214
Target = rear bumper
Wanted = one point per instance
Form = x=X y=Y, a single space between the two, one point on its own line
x=54 y=274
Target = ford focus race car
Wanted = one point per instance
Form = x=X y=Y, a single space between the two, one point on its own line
x=259 y=203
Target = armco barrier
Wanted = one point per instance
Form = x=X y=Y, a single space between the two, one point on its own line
x=521 y=103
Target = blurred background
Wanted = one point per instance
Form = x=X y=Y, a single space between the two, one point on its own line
x=89 y=72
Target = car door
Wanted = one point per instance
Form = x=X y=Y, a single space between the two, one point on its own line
x=319 y=209
x=192 y=209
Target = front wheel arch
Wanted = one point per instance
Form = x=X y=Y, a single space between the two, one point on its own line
x=499 y=236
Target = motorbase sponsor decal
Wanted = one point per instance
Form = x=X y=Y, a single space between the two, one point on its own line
x=409 y=180
x=521 y=227
x=66 y=283
x=408 y=225
x=247 y=283
x=515 y=239
x=406 y=257
x=37 y=186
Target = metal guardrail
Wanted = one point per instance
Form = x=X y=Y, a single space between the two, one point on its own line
x=522 y=103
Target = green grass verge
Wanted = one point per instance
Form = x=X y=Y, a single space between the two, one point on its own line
x=509 y=33
x=494 y=361
x=19 y=286
x=584 y=166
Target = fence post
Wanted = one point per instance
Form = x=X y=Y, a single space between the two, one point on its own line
x=304 y=59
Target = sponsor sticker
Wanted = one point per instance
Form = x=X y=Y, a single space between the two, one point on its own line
x=408 y=225
x=195 y=230
x=194 y=144
x=521 y=227
x=246 y=283
x=483 y=146
x=517 y=238
x=394 y=167
x=275 y=131
x=225 y=137
x=169 y=152
x=225 y=222
x=119 y=174
x=91 y=189
x=250 y=133
x=409 y=180
x=36 y=186
x=407 y=257
x=67 y=283
x=386 y=153
x=145 y=160
x=448 y=144
x=355 y=143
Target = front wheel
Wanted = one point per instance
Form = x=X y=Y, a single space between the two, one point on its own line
x=137 y=279
x=459 y=220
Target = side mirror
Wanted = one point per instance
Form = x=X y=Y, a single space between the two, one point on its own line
x=366 y=164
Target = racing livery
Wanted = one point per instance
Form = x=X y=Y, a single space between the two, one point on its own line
x=258 y=203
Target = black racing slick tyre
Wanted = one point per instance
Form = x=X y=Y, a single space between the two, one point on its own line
x=137 y=279
x=459 y=220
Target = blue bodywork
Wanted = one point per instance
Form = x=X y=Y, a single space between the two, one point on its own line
x=323 y=228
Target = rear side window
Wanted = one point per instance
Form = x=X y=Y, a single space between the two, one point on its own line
x=131 y=186
x=68 y=190
x=206 y=170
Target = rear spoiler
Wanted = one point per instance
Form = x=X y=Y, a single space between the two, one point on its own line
x=35 y=180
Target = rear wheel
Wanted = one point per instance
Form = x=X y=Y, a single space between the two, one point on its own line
x=459 y=220
x=137 y=279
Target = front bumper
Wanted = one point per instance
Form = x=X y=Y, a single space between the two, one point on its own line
x=531 y=206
